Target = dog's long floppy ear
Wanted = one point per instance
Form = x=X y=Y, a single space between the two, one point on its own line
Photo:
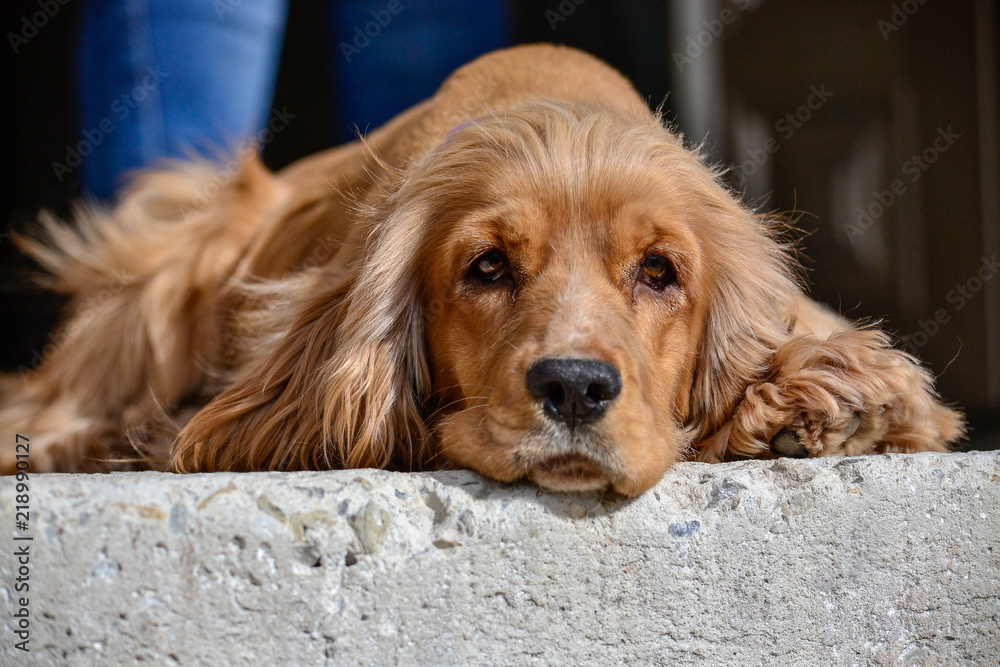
x=746 y=318
x=342 y=387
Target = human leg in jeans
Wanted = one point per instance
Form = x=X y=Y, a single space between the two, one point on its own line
x=389 y=55
x=158 y=78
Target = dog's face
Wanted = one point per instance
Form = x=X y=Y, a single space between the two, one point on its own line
x=561 y=292
x=566 y=348
x=565 y=303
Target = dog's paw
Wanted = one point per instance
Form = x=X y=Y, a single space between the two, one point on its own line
x=846 y=395
x=810 y=438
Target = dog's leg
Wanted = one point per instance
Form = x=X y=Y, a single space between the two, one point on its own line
x=846 y=394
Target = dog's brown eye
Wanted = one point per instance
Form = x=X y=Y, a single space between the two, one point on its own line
x=489 y=267
x=657 y=271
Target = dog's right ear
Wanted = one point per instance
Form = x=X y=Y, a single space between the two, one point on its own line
x=342 y=386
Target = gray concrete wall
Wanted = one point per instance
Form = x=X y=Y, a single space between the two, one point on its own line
x=888 y=560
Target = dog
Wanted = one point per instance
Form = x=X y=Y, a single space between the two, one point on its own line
x=528 y=275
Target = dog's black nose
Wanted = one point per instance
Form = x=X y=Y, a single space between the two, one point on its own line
x=574 y=391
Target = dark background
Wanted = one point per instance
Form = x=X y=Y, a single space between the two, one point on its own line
x=733 y=71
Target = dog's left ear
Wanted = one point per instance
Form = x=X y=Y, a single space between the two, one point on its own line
x=751 y=294
x=343 y=386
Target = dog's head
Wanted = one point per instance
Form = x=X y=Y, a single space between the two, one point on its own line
x=562 y=292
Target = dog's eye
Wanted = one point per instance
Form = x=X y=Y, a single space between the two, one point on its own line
x=489 y=267
x=657 y=271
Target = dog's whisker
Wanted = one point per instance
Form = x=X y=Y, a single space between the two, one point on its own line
x=444 y=408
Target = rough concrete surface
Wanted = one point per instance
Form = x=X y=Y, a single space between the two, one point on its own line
x=887 y=560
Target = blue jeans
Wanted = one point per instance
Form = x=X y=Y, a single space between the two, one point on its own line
x=160 y=78
x=388 y=55
x=163 y=78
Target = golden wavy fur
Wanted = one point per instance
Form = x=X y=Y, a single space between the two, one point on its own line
x=527 y=275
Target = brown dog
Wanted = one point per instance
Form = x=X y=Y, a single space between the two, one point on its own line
x=526 y=275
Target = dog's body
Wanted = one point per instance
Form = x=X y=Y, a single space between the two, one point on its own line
x=526 y=275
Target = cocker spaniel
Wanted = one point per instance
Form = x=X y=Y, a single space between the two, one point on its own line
x=527 y=275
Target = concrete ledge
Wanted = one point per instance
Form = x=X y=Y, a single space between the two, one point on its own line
x=888 y=560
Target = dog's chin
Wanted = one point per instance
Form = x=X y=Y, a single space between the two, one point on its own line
x=569 y=473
